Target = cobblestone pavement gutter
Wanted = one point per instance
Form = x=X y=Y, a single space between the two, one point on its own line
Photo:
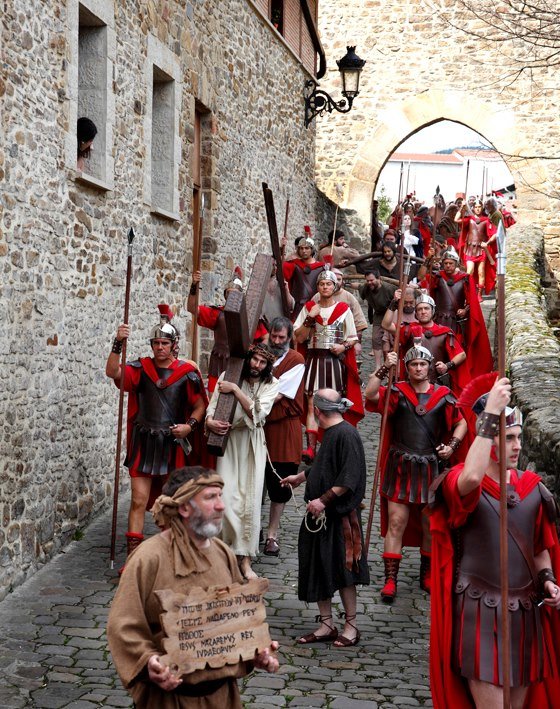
x=53 y=650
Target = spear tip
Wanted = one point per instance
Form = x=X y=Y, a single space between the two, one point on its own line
x=130 y=235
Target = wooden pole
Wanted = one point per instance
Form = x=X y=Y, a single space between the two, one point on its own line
x=197 y=258
x=275 y=245
x=467 y=180
x=116 y=483
x=385 y=416
x=504 y=566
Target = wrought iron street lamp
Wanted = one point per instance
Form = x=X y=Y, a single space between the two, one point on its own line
x=318 y=102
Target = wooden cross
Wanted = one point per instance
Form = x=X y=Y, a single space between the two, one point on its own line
x=242 y=312
x=274 y=242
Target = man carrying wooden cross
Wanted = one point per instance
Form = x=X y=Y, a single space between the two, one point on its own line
x=184 y=556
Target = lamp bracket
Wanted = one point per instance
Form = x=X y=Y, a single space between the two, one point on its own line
x=319 y=102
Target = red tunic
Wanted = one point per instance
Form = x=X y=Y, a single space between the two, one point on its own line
x=448 y=688
x=490 y=269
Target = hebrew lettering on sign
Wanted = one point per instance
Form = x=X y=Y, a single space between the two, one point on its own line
x=217 y=627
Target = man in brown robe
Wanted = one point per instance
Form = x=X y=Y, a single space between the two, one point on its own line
x=183 y=556
x=283 y=425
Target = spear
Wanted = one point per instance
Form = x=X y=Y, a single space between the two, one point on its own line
x=436 y=207
x=400 y=193
x=197 y=256
x=407 y=177
x=385 y=416
x=467 y=180
x=329 y=259
x=130 y=238
x=501 y=328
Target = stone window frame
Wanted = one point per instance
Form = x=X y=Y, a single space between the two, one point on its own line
x=160 y=56
x=103 y=10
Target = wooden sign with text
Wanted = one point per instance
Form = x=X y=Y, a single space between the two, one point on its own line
x=217 y=627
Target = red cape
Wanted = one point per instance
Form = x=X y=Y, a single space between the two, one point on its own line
x=412 y=536
x=479 y=357
x=447 y=687
x=353 y=385
x=425 y=233
x=490 y=269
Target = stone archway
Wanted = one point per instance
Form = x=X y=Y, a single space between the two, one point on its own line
x=399 y=121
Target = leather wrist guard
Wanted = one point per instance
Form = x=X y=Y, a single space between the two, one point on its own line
x=309 y=322
x=394 y=305
x=117 y=346
x=450 y=365
x=328 y=497
x=487 y=425
x=193 y=289
x=545 y=575
x=382 y=372
x=193 y=423
x=454 y=443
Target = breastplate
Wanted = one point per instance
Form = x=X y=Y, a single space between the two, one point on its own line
x=409 y=434
x=436 y=344
x=151 y=412
x=304 y=283
x=478 y=543
x=323 y=337
x=449 y=295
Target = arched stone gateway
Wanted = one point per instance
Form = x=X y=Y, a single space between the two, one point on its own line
x=419 y=71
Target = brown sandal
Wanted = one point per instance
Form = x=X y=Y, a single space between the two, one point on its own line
x=314 y=638
x=271 y=547
x=343 y=641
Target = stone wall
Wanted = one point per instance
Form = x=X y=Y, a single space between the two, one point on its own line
x=63 y=234
x=533 y=351
x=420 y=70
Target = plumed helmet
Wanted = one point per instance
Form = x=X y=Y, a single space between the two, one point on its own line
x=475 y=395
x=236 y=280
x=327 y=276
x=425 y=298
x=450 y=253
x=164 y=330
x=418 y=352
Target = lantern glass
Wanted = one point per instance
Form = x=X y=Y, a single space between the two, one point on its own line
x=350 y=81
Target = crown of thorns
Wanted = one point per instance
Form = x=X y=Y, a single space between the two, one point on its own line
x=262 y=350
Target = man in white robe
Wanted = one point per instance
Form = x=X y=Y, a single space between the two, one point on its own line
x=243 y=463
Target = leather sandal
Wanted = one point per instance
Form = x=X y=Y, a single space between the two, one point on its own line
x=343 y=641
x=271 y=547
x=314 y=638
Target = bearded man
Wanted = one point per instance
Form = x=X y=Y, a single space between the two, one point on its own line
x=185 y=556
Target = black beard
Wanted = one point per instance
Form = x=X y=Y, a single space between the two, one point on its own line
x=254 y=373
x=408 y=309
x=279 y=350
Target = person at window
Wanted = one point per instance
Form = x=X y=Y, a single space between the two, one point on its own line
x=86 y=132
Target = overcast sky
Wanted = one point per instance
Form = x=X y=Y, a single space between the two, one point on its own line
x=439 y=136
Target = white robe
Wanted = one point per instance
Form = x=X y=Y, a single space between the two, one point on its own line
x=242 y=468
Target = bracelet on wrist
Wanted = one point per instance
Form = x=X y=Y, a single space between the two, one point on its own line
x=117 y=346
x=328 y=497
x=193 y=423
x=545 y=575
x=487 y=425
x=193 y=289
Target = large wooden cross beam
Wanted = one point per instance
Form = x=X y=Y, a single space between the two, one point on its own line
x=275 y=244
x=242 y=312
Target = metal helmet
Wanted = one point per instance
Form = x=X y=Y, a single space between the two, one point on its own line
x=418 y=352
x=450 y=253
x=514 y=417
x=164 y=330
x=425 y=298
x=327 y=276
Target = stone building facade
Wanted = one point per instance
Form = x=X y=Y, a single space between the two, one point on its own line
x=190 y=98
x=421 y=70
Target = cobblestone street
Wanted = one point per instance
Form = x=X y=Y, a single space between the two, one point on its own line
x=53 y=651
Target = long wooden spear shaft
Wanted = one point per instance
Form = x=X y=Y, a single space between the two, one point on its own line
x=121 y=400
x=436 y=207
x=467 y=180
x=504 y=566
x=400 y=194
x=197 y=257
x=385 y=416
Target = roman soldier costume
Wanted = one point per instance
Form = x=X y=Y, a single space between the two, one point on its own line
x=466 y=601
x=458 y=292
x=418 y=424
x=302 y=276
